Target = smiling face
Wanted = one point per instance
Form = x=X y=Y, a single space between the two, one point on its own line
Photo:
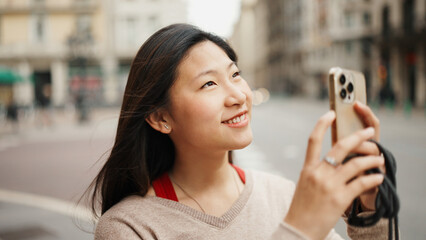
x=211 y=103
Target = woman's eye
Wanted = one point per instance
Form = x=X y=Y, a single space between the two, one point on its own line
x=208 y=84
x=236 y=74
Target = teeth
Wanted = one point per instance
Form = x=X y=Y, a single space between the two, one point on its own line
x=237 y=119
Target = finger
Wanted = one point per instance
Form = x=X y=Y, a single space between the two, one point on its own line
x=313 y=150
x=368 y=117
x=367 y=148
x=357 y=166
x=364 y=183
x=345 y=146
x=368 y=199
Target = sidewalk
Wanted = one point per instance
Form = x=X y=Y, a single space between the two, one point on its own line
x=27 y=216
x=64 y=126
x=19 y=222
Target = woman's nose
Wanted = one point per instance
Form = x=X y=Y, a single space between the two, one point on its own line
x=235 y=96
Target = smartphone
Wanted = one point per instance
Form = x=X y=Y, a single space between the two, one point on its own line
x=345 y=87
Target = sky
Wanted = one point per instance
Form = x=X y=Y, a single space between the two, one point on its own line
x=218 y=16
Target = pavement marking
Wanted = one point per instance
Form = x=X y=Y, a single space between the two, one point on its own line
x=47 y=203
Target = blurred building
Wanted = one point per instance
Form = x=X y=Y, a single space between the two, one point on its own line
x=132 y=23
x=243 y=30
x=338 y=33
x=248 y=40
x=400 y=39
x=60 y=47
x=385 y=39
x=33 y=42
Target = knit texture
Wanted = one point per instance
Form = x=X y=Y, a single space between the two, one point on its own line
x=257 y=214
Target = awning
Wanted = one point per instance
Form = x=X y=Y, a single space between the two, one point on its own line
x=7 y=76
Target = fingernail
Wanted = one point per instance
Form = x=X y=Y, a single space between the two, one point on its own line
x=359 y=103
x=380 y=177
x=330 y=114
x=369 y=130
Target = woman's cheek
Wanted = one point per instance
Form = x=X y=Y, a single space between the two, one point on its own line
x=249 y=94
x=202 y=110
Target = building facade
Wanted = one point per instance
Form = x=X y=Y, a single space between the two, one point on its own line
x=34 y=39
x=62 y=47
x=245 y=43
x=385 y=39
x=132 y=23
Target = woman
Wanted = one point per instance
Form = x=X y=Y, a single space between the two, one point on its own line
x=185 y=108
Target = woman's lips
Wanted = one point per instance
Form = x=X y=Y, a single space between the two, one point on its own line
x=237 y=121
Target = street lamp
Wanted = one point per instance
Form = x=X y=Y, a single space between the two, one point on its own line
x=80 y=44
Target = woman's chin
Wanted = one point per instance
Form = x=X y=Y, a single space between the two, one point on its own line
x=242 y=143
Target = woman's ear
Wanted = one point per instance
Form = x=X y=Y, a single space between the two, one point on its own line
x=158 y=121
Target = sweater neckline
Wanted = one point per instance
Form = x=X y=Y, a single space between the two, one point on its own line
x=218 y=222
x=163 y=186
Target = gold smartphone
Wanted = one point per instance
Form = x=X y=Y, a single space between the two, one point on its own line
x=345 y=87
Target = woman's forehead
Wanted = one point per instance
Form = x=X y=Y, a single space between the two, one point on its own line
x=202 y=57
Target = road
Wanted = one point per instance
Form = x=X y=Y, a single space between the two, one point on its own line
x=60 y=163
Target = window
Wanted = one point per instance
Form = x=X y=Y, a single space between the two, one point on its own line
x=348 y=46
x=367 y=18
x=348 y=20
x=38 y=28
x=153 y=23
x=38 y=2
x=131 y=30
x=83 y=23
x=366 y=48
x=81 y=2
x=408 y=16
x=385 y=21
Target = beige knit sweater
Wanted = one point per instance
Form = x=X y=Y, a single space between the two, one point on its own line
x=257 y=214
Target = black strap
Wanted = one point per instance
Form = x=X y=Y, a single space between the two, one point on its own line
x=387 y=201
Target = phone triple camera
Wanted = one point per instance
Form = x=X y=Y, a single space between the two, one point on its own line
x=346 y=89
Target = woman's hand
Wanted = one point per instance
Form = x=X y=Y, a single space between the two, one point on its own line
x=368 y=198
x=325 y=191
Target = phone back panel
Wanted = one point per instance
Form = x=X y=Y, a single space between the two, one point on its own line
x=347 y=120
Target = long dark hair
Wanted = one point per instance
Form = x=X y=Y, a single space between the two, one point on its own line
x=141 y=154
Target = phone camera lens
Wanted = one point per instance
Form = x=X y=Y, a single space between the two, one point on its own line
x=350 y=87
x=343 y=93
x=342 y=79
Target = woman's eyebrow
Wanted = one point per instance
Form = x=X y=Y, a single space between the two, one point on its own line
x=214 y=71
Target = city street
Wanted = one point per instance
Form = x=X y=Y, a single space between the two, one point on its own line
x=43 y=170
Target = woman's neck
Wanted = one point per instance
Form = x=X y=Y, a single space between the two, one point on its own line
x=198 y=171
x=206 y=182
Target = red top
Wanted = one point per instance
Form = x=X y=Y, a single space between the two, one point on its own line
x=163 y=187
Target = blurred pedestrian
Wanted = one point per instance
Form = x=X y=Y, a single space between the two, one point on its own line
x=170 y=173
x=81 y=101
x=44 y=116
x=12 y=114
